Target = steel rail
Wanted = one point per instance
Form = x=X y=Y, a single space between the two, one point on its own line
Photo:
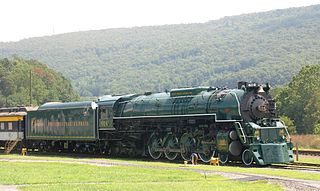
x=307 y=152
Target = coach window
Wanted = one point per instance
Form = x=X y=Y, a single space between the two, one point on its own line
x=2 y=126
x=10 y=126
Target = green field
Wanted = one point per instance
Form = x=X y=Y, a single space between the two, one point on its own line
x=309 y=159
x=235 y=169
x=61 y=176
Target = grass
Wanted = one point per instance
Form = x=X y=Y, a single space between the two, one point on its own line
x=306 y=141
x=36 y=176
x=309 y=159
x=163 y=186
x=39 y=156
x=264 y=171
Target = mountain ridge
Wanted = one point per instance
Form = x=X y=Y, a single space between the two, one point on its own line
x=264 y=47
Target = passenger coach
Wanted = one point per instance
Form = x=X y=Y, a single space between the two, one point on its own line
x=12 y=126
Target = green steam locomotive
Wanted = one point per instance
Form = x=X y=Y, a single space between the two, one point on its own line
x=232 y=124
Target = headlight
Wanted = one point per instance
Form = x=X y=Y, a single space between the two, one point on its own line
x=282 y=133
x=257 y=133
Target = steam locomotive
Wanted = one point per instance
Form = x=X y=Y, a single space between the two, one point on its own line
x=232 y=124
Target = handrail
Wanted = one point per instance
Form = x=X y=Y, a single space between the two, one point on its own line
x=10 y=145
x=285 y=127
x=242 y=132
x=238 y=102
x=267 y=127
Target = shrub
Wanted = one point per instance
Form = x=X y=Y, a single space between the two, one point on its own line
x=307 y=141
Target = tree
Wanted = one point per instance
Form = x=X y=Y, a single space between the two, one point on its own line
x=289 y=123
x=300 y=100
x=261 y=47
x=317 y=129
x=47 y=85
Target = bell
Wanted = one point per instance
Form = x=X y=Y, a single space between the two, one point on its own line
x=260 y=90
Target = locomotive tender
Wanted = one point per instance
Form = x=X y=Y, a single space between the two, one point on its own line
x=234 y=124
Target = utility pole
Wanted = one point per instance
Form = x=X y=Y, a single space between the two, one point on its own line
x=30 y=87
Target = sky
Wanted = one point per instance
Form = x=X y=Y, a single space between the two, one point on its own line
x=21 y=19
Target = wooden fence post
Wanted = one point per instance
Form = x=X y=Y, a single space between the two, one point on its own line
x=297 y=152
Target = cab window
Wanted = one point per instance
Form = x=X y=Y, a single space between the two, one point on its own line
x=2 y=126
x=105 y=117
x=103 y=113
x=10 y=126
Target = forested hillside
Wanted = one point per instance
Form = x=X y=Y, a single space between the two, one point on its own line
x=300 y=100
x=46 y=84
x=263 y=47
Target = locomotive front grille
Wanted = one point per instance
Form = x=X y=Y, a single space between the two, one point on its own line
x=275 y=153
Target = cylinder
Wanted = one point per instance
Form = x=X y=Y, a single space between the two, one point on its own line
x=235 y=148
x=233 y=135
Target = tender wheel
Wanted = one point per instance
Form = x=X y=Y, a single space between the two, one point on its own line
x=171 y=142
x=223 y=158
x=187 y=143
x=154 y=143
x=47 y=148
x=247 y=157
x=91 y=149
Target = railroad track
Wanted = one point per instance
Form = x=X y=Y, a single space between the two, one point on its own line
x=307 y=152
x=299 y=166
